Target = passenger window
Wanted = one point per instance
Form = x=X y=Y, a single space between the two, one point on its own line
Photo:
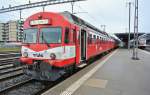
x=90 y=39
x=66 y=35
x=94 y=38
x=97 y=39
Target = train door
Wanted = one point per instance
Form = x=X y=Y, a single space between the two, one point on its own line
x=83 y=44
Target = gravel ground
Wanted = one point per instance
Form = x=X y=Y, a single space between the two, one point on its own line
x=28 y=89
x=10 y=82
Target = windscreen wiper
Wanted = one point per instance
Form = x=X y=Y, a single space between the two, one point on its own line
x=45 y=41
x=25 y=39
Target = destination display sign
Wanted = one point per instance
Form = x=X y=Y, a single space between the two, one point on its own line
x=39 y=22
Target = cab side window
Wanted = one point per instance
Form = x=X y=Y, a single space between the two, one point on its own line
x=74 y=35
x=66 y=35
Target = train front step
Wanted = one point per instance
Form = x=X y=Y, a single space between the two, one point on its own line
x=82 y=65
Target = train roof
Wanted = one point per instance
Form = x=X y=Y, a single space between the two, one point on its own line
x=76 y=20
x=146 y=36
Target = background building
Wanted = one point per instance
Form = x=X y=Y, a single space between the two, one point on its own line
x=11 y=31
x=2 y=27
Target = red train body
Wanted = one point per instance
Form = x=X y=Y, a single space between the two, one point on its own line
x=54 y=42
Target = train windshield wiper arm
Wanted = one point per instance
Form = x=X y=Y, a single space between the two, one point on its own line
x=25 y=40
x=45 y=41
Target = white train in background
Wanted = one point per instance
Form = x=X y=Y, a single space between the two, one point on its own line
x=143 y=41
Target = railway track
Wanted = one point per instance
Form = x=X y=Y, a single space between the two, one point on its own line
x=8 y=62
x=23 y=86
x=6 y=55
x=10 y=75
x=8 y=69
x=13 y=82
x=12 y=79
x=26 y=86
x=16 y=83
x=4 y=71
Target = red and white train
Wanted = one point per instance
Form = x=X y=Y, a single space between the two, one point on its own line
x=57 y=42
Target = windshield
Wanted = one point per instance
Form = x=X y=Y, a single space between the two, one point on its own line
x=50 y=35
x=30 y=35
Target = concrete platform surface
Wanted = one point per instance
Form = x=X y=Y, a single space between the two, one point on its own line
x=117 y=74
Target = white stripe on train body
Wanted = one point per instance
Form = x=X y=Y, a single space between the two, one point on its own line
x=45 y=54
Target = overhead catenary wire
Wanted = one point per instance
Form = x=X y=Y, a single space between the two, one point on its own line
x=88 y=14
x=36 y=4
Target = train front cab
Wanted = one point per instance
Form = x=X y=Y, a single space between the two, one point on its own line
x=39 y=57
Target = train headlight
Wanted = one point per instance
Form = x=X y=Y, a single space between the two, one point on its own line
x=25 y=54
x=53 y=56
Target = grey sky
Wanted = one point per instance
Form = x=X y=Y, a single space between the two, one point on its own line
x=112 y=13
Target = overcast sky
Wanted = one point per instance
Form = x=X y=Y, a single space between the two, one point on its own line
x=112 y=13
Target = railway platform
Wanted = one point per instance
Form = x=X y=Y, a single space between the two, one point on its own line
x=115 y=74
